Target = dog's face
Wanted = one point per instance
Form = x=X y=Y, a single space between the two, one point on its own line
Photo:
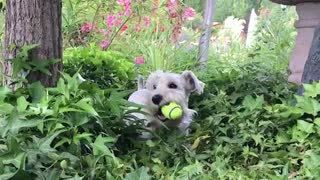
x=170 y=87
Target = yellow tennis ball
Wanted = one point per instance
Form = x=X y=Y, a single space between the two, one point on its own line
x=172 y=111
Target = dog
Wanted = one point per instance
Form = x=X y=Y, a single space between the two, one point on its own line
x=161 y=88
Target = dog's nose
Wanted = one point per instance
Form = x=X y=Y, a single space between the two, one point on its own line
x=156 y=99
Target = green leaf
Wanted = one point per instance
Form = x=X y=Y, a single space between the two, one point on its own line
x=4 y=90
x=5 y=108
x=14 y=155
x=115 y=101
x=309 y=105
x=53 y=174
x=191 y=170
x=15 y=122
x=282 y=138
x=317 y=121
x=84 y=104
x=250 y=103
x=311 y=161
x=22 y=104
x=21 y=174
x=100 y=147
x=298 y=135
x=150 y=143
x=62 y=141
x=43 y=65
x=24 y=52
x=78 y=137
x=44 y=144
x=139 y=174
x=8 y=175
x=37 y=91
x=76 y=177
x=305 y=126
x=311 y=90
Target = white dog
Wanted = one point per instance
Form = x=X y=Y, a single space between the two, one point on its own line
x=160 y=89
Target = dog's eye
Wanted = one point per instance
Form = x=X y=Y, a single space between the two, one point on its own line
x=154 y=87
x=173 y=86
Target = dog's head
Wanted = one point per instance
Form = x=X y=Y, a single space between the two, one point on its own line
x=170 y=87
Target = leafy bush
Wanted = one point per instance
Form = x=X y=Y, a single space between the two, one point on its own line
x=61 y=132
x=236 y=8
x=249 y=125
x=106 y=68
x=275 y=37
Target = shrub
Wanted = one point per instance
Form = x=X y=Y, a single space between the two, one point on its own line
x=275 y=37
x=61 y=132
x=106 y=68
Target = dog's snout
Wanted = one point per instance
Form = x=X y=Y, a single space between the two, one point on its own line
x=156 y=99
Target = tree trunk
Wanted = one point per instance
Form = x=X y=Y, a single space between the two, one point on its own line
x=311 y=70
x=35 y=22
x=204 y=41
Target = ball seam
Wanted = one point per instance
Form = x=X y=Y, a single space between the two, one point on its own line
x=172 y=110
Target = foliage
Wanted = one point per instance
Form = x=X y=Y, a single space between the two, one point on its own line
x=236 y=8
x=106 y=68
x=275 y=36
x=23 y=64
x=145 y=29
x=250 y=123
x=60 y=131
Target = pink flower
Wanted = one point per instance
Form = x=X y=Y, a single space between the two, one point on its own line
x=174 y=15
x=121 y=14
x=104 y=32
x=124 y=27
x=126 y=5
x=139 y=60
x=124 y=2
x=104 y=44
x=147 y=21
x=138 y=27
x=118 y=22
x=111 y=20
x=127 y=10
x=189 y=13
x=162 y=28
x=171 y=4
x=87 y=27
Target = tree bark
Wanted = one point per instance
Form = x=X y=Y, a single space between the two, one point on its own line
x=35 y=22
x=204 y=41
x=311 y=70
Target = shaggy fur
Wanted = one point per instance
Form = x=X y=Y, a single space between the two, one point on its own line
x=160 y=89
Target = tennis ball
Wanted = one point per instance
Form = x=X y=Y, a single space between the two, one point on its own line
x=172 y=111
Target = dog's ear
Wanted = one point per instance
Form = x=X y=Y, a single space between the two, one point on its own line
x=192 y=83
x=141 y=83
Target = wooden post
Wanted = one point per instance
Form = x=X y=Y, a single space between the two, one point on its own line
x=204 y=41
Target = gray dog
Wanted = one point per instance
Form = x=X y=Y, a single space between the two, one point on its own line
x=160 y=89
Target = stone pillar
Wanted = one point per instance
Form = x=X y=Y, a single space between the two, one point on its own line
x=309 y=18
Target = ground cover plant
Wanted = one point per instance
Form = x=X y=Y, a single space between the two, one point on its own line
x=250 y=122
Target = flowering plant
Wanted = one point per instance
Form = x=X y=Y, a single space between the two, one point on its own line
x=140 y=28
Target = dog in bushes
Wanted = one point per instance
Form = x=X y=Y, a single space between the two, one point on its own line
x=158 y=90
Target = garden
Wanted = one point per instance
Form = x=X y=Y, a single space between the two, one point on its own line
x=250 y=122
